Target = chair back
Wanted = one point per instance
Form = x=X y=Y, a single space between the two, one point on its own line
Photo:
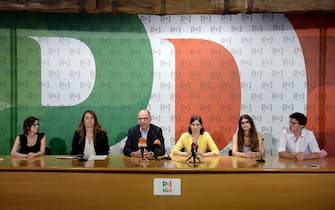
x=47 y=150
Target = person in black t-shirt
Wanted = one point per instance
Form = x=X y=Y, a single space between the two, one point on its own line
x=31 y=143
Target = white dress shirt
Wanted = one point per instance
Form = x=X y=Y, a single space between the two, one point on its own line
x=89 y=148
x=305 y=143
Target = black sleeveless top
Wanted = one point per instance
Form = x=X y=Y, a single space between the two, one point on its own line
x=25 y=149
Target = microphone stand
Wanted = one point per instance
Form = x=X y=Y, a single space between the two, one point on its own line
x=261 y=160
x=142 y=152
x=194 y=155
x=157 y=146
x=155 y=153
x=142 y=144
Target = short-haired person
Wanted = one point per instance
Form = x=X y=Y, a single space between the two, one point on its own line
x=247 y=142
x=90 y=138
x=196 y=134
x=148 y=131
x=31 y=143
x=298 y=142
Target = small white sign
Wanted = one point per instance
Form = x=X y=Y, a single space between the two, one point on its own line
x=165 y=186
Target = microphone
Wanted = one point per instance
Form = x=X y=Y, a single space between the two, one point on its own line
x=194 y=151
x=157 y=145
x=142 y=144
x=261 y=160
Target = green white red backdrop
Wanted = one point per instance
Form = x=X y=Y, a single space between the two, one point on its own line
x=55 y=66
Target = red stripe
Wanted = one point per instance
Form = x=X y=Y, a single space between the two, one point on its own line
x=207 y=84
x=317 y=37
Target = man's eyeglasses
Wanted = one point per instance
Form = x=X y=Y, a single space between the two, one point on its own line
x=142 y=118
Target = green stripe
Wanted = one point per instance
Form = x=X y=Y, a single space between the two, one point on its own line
x=13 y=87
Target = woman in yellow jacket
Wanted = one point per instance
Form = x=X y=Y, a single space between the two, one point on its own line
x=196 y=137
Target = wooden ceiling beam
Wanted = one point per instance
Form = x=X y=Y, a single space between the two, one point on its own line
x=169 y=7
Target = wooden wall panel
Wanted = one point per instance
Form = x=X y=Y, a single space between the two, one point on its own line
x=162 y=7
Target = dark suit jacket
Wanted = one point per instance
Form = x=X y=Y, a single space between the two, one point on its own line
x=134 y=134
x=101 y=145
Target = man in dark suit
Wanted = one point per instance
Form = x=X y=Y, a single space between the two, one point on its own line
x=150 y=132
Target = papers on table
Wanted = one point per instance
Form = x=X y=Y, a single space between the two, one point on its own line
x=92 y=157
x=97 y=157
x=65 y=157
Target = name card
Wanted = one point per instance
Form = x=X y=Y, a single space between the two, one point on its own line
x=166 y=186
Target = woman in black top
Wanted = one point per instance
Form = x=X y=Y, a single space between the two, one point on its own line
x=90 y=138
x=31 y=142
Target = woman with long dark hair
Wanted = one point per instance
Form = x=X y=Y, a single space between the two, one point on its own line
x=90 y=138
x=247 y=142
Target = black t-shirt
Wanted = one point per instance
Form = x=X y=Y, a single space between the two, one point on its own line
x=25 y=149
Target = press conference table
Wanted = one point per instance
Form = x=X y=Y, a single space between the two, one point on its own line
x=127 y=183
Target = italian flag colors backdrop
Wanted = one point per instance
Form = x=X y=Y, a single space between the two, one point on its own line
x=56 y=66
